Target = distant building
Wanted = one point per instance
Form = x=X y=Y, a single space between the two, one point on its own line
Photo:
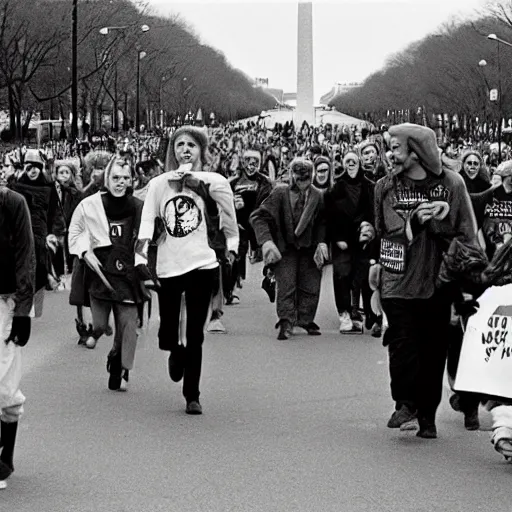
x=338 y=88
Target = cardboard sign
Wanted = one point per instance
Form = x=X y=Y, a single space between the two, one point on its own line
x=485 y=364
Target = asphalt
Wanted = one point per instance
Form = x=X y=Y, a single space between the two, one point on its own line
x=297 y=425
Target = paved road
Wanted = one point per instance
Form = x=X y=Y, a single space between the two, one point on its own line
x=287 y=426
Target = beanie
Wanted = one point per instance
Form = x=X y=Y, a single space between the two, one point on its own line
x=422 y=141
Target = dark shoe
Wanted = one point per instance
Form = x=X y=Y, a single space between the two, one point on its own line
x=455 y=402
x=115 y=369
x=312 y=329
x=285 y=329
x=8 y=433
x=376 y=331
x=176 y=363
x=356 y=315
x=84 y=331
x=5 y=471
x=109 y=331
x=427 y=431
x=194 y=407
x=401 y=416
x=471 y=421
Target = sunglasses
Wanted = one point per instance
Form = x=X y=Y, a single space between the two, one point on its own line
x=351 y=162
x=472 y=162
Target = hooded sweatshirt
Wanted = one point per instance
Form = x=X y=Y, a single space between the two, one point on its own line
x=410 y=267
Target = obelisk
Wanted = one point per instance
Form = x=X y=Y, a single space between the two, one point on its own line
x=305 y=98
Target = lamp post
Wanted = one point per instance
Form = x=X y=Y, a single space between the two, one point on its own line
x=482 y=63
x=74 y=71
x=104 y=31
x=493 y=37
x=140 y=56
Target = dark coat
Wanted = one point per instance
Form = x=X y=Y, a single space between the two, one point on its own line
x=273 y=220
x=17 y=255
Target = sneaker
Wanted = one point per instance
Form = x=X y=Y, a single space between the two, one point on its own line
x=216 y=326
x=176 y=365
x=502 y=441
x=410 y=425
x=346 y=324
x=194 y=407
x=471 y=420
x=400 y=417
x=91 y=342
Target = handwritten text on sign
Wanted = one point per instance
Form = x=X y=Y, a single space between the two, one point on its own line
x=497 y=336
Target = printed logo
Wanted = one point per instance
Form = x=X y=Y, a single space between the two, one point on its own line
x=182 y=216
x=499 y=210
x=116 y=230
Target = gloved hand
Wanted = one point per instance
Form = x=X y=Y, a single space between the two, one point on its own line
x=466 y=308
x=270 y=252
x=145 y=275
x=20 y=330
x=366 y=232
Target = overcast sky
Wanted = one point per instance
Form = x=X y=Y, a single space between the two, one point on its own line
x=351 y=38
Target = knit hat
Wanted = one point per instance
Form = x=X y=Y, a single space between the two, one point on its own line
x=470 y=152
x=366 y=143
x=422 y=141
x=69 y=164
x=319 y=160
x=200 y=137
x=504 y=169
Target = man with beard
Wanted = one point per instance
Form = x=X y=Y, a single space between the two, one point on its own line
x=372 y=166
x=250 y=189
x=290 y=227
x=419 y=209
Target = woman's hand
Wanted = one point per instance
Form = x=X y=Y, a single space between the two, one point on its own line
x=343 y=246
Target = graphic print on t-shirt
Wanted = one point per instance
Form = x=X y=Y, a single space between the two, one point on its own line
x=408 y=199
x=182 y=216
x=116 y=229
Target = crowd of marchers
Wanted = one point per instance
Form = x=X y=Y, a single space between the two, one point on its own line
x=176 y=220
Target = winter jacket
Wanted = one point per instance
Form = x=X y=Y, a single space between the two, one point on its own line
x=17 y=253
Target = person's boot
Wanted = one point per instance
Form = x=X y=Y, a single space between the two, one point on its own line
x=285 y=329
x=8 y=433
x=115 y=369
x=427 y=426
x=83 y=331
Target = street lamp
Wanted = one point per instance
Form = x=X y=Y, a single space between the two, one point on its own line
x=493 y=37
x=74 y=71
x=140 y=56
x=105 y=31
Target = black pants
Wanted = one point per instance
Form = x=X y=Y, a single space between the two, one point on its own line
x=468 y=402
x=198 y=287
x=417 y=341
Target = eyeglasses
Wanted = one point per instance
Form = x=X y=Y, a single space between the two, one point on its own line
x=472 y=162
x=351 y=162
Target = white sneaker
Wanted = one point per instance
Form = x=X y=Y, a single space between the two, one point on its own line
x=3 y=484
x=216 y=326
x=346 y=324
x=91 y=342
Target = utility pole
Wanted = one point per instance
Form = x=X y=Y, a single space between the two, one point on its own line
x=74 y=72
